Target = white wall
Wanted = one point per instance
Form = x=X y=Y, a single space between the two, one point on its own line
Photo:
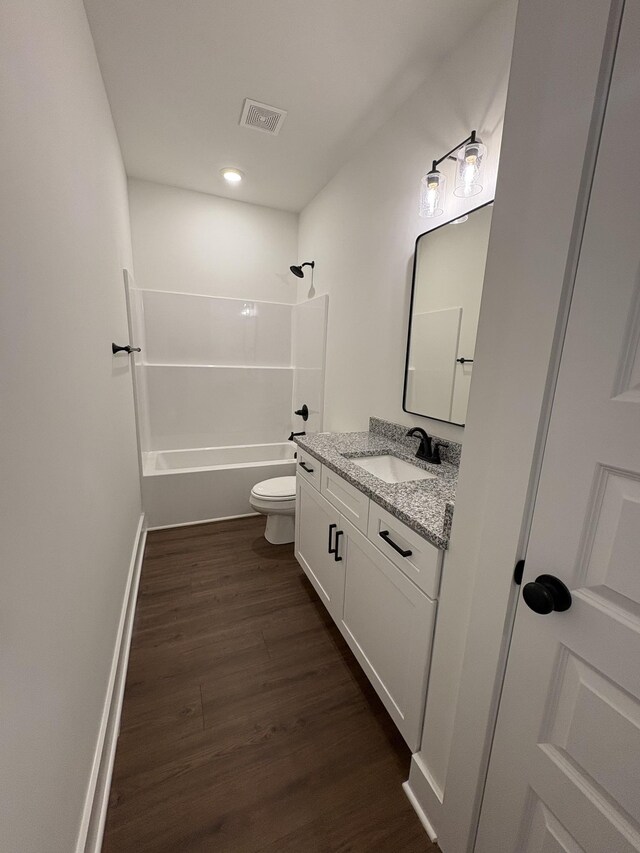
x=309 y=342
x=187 y=243
x=69 y=501
x=192 y=242
x=217 y=406
x=185 y=329
x=361 y=228
x=214 y=371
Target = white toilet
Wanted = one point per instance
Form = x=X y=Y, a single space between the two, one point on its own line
x=276 y=498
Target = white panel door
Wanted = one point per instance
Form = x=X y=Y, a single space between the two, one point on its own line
x=564 y=773
x=319 y=547
x=388 y=623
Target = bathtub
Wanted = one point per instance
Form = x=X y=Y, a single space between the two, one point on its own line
x=208 y=483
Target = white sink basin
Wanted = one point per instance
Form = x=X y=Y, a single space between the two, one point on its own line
x=392 y=470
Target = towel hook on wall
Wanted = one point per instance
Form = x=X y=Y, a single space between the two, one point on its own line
x=128 y=349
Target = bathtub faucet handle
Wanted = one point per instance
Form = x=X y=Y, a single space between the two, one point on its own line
x=294 y=434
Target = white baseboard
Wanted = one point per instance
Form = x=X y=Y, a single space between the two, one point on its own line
x=97 y=799
x=424 y=820
x=203 y=521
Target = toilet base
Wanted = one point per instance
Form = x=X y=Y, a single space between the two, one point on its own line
x=280 y=529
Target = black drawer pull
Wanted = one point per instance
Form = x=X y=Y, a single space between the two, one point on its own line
x=384 y=534
x=304 y=467
x=335 y=553
x=332 y=527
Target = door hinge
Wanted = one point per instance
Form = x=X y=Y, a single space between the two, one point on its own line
x=518 y=572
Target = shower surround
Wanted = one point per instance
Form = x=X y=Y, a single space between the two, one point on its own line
x=217 y=383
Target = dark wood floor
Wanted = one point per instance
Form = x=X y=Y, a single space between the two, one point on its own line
x=247 y=724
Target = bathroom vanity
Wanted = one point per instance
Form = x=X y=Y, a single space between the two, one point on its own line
x=373 y=550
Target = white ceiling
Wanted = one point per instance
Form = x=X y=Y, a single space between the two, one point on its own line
x=177 y=73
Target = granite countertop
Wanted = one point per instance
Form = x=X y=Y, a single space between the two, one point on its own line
x=425 y=506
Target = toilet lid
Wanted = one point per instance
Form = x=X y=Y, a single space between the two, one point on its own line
x=278 y=488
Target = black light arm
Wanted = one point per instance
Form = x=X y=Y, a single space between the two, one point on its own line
x=470 y=138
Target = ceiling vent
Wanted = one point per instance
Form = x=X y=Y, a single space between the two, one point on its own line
x=262 y=117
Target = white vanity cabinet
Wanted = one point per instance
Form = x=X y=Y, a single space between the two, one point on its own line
x=382 y=610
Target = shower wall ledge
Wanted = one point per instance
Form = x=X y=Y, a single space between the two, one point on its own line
x=213 y=296
x=220 y=366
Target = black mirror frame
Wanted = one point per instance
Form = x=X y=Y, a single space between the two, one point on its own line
x=413 y=287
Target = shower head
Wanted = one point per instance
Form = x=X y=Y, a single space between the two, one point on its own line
x=298 y=270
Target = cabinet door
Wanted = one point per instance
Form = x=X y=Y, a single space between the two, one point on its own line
x=317 y=527
x=388 y=623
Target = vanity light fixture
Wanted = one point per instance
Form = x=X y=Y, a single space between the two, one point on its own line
x=231 y=176
x=469 y=156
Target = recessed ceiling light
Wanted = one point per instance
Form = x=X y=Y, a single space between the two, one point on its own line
x=232 y=176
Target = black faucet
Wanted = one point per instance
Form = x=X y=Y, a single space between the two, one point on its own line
x=426 y=451
x=294 y=434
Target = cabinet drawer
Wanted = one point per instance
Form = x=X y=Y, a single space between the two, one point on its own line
x=353 y=505
x=309 y=468
x=424 y=562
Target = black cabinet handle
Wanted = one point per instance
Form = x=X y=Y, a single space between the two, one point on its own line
x=464 y=360
x=384 y=534
x=545 y=594
x=128 y=349
x=338 y=559
x=304 y=467
x=332 y=527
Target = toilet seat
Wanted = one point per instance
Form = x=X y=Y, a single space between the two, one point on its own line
x=276 y=489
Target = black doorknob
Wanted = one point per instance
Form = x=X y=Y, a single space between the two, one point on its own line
x=545 y=594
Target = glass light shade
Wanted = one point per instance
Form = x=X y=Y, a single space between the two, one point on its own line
x=433 y=188
x=470 y=169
